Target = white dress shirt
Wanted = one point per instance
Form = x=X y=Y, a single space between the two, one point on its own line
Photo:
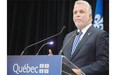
x=84 y=30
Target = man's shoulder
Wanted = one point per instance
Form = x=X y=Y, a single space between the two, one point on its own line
x=72 y=32
x=98 y=31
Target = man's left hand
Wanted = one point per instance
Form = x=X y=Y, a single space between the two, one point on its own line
x=77 y=71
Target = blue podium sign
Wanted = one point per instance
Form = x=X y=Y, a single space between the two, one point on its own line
x=34 y=65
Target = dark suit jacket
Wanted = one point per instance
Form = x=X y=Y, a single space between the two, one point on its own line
x=92 y=54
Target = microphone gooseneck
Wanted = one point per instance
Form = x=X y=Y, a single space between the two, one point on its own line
x=41 y=48
x=43 y=40
x=50 y=43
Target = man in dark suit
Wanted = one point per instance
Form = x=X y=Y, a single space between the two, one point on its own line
x=91 y=54
x=89 y=51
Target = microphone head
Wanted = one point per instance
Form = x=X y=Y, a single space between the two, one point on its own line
x=64 y=27
x=50 y=43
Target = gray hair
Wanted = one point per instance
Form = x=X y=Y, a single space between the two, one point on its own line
x=81 y=2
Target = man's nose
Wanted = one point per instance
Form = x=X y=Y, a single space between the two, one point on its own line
x=78 y=14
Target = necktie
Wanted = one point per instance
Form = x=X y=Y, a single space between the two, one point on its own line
x=76 y=42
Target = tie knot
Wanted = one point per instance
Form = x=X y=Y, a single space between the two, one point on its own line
x=80 y=32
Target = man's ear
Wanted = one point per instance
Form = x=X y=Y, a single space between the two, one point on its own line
x=90 y=15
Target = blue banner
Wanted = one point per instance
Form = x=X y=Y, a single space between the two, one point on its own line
x=98 y=19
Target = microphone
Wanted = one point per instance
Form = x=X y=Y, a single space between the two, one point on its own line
x=49 y=43
x=43 y=40
x=74 y=34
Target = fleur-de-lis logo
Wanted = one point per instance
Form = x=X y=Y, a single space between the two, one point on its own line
x=98 y=22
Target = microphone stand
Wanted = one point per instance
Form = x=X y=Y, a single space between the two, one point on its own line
x=43 y=40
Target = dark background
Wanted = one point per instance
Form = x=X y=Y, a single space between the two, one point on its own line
x=29 y=21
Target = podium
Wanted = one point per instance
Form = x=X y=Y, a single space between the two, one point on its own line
x=39 y=65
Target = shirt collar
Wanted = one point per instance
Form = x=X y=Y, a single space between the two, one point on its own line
x=85 y=28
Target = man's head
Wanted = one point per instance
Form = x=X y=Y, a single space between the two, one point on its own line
x=82 y=14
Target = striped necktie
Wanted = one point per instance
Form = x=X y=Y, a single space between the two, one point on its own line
x=76 y=42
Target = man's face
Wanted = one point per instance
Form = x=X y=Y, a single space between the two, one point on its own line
x=81 y=17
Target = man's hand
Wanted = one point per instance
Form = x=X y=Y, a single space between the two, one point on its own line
x=77 y=71
x=50 y=52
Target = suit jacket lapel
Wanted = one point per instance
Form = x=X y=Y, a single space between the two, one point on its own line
x=68 y=48
x=83 y=40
